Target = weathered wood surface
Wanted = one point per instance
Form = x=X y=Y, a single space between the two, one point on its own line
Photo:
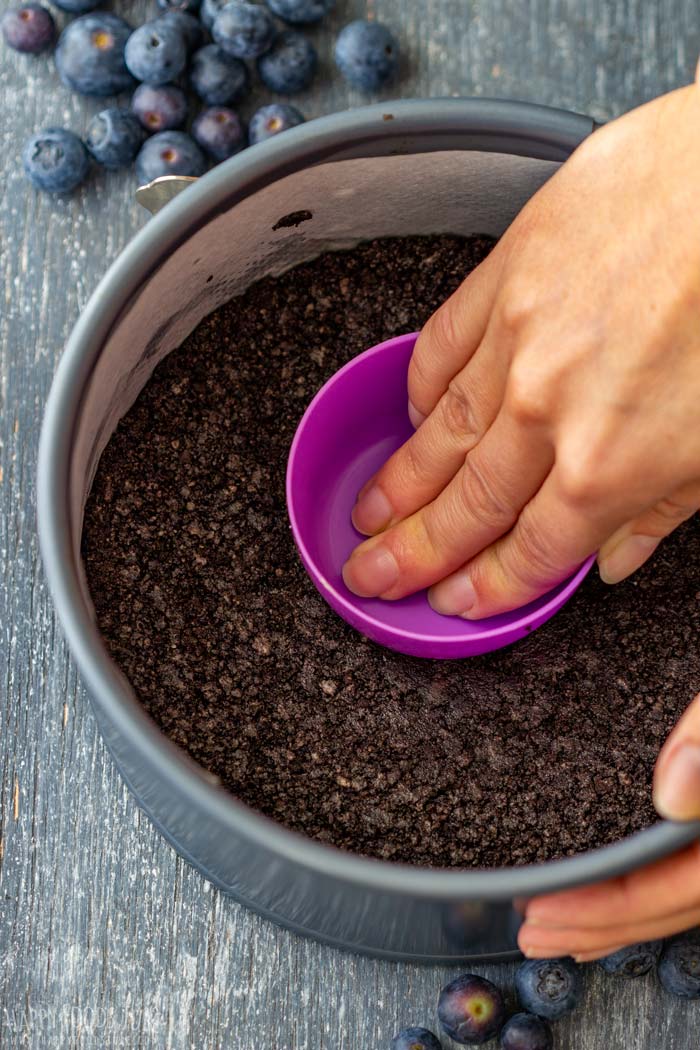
x=107 y=939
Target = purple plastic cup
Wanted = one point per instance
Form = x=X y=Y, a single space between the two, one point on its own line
x=350 y=428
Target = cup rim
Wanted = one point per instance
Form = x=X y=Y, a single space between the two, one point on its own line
x=522 y=127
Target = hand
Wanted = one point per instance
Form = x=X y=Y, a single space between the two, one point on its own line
x=556 y=392
x=654 y=902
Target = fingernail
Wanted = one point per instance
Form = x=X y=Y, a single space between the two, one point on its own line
x=624 y=559
x=372 y=512
x=454 y=596
x=371 y=573
x=677 y=793
x=414 y=415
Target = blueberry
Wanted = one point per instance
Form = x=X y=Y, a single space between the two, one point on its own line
x=415 y=1039
x=155 y=52
x=471 y=1010
x=159 y=108
x=367 y=54
x=289 y=65
x=114 y=137
x=244 y=30
x=270 y=120
x=549 y=988
x=526 y=1032
x=679 y=966
x=29 y=28
x=76 y=7
x=633 y=961
x=90 y=55
x=300 y=12
x=55 y=160
x=209 y=10
x=190 y=27
x=169 y=153
x=220 y=132
x=218 y=78
x=190 y=6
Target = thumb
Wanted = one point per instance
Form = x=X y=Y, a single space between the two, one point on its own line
x=677 y=774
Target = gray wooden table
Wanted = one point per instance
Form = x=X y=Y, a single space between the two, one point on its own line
x=107 y=939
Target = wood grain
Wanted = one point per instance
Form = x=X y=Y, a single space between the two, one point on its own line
x=107 y=939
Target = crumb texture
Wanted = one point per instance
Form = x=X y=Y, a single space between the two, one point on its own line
x=540 y=751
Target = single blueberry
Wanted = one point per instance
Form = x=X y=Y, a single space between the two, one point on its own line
x=189 y=6
x=300 y=12
x=218 y=78
x=290 y=64
x=55 y=160
x=155 y=52
x=76 y=7
x=220 y=132
x=169 y=153
x=679 y=966
x=526 y=1032
x=90 y=55
x=209 y=10
x=191 y=28
x=29 y=28
x=159 y=108
x=549 y=988
x=633 y=961
x=415 y=1039
x=471 y=1010
x=270 y=120
x=244 y=30
x=367 y=54
x=114 y=137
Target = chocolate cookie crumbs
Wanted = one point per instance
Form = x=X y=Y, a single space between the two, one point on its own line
x=539 y=751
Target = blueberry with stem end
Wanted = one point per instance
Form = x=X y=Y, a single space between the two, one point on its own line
x=114 y=137
x=526 y=1032
x=220 y=132
x=159 y=108
x=633 y=961
x=271 y=120
x=471 y=1010
x=169 y=153
x=415 y=1039
x=218 y=78
x=55 y=160
x=90 y=55
x=290 y=64
x=244 y=30
x=30 y=28
x=549 y=988
x=367 y=54
x=155 y=53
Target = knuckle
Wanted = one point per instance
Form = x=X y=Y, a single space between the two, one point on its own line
x=457 y=410
x=528 y=397
x=517 y=306
x=480 y=494
x=582 y=479
x=536 y=554
x=672 y=511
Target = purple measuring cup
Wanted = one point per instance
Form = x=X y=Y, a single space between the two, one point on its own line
x=350 y=428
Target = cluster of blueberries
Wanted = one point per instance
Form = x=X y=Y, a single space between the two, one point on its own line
x=472 y=1011
x=203 y=44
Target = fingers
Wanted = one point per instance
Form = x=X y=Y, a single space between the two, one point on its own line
x=677 y=774
x=660 y=890
x=480 y=503
x=421 y=468
x=587 y=945
x=629 y=547
x=450 y=338
x=549 y=541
